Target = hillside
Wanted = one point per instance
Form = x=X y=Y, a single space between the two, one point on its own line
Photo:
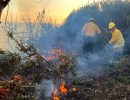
x=117 y=12
x=53 y=66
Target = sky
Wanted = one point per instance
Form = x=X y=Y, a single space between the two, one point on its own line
x=56 y=10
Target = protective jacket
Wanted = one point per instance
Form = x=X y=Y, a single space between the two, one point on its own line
x=90 y=29
x=117 y=39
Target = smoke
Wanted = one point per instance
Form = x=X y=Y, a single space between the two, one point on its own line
x=28 y=6
x=92 y=64
x=44 y=89
x=69 y=38
x=25 y=5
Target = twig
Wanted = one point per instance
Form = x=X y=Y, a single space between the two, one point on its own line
x=15 y=71
x=7 y=15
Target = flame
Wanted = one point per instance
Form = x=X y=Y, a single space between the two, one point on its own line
x=55 y=98
x=63 y=89
x=54 y=54
x=73 y=89
x=3 y=90
x=17 y=77
x=62 y=60
x=55 y=95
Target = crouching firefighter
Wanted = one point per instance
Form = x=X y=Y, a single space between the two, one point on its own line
x=90 y=33
x=117 y=41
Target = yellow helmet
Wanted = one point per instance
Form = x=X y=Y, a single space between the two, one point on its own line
x=111 y=25
x=91 y=19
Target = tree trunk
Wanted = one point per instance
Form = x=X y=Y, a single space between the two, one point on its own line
x=3 y=4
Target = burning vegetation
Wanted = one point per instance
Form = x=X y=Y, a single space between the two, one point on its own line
x=20 y=73
x=24 y=72
x=63 y=90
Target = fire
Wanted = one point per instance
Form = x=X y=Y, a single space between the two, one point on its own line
x=62 y=60
x=17 y=77
x=55 y=98
x=63 y=89
x=54 y=54
x=3 y=90
x=73 y=89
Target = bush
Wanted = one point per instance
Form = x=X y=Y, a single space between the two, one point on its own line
x=117 y=12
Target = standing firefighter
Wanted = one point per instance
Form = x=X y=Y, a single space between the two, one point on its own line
x=90 y=33
x=117 y=40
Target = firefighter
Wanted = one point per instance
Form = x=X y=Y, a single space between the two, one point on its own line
x=117 y=40
x=90 y=33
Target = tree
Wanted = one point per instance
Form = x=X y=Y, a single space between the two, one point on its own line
x=3 y=4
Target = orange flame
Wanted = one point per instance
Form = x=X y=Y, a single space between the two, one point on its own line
x=3 y=90
x=62 y=60
x=17 y=77
x=74 y=89
x=55 y=98
x=63 y=89
x=54 y=54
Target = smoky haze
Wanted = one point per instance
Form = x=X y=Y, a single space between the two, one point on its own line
x=69 y=37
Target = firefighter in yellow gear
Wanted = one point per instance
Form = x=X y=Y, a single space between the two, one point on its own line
x=117 y=39
x=90 y=33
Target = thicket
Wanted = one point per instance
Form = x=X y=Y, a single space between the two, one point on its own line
x=117 y=11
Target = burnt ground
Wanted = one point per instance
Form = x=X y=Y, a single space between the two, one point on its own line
x=112 y=84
